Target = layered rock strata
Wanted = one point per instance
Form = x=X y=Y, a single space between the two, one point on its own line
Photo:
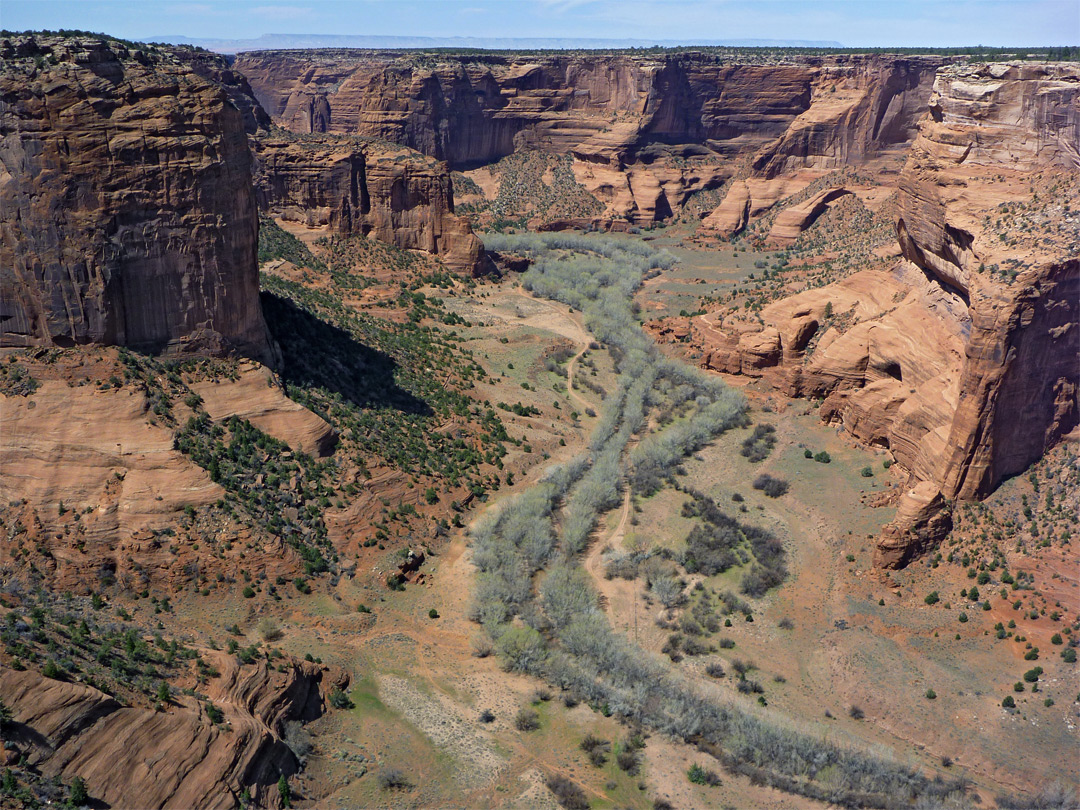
x=132 y=756
x=389 y=193
x=127 y=214
x=646 y=132
x=962 y=360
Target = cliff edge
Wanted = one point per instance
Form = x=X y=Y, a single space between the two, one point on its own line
x=127 y=214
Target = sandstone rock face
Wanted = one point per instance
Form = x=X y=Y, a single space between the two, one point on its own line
x=73 y=449
x=992 y=126
x=215 y=68
x=922 y=521
x=392 y=194
x=645 y=132
x=731 y=216
x=967 y=373
x=477 y=108
x=792 y=221
x=256 y=397
x=125 y=203
x=69 y=729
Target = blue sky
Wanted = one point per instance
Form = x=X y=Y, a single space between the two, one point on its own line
x=856 y=23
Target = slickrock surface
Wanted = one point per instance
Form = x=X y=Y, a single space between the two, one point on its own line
x=256 y=397
x=91 y=471
x=127 y=212
x=132 y=756
x=792 y=221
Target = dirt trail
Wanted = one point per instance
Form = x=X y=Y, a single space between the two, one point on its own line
x=570 y=379
x=617 y=596
x=576 y=331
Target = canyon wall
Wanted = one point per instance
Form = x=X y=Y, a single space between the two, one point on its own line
x=645 y=132
x=476 y=109
x=995 y=139
x=389 y=193
x=126 y=205
x=962 y=359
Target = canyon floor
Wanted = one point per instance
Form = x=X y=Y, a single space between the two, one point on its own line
x=731 y=462
x=840 y=650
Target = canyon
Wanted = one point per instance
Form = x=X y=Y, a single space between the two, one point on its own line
x=965 y=372
x=219 y=470
x=644 y=133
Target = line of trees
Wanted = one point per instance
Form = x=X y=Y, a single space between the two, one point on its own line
x=563 y=636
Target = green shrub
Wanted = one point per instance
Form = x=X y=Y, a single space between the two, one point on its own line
x=1008 y=702
x=703 y=776
x=433 y=614
x=527 y=719
x=822 y=457
x=340 y=700
x=932 y=598
x=78 y=796
x=521 y=649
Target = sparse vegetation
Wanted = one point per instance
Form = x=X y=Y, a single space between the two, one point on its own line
x=773 y=487
x=567 y=793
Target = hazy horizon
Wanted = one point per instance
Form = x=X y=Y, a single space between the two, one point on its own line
x=916 y=23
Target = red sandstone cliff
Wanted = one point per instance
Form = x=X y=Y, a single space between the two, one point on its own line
x=126 y=206
x=991 y=128
x=390 y=193
x=645 y=132
x=133 y=756
x=962 y=360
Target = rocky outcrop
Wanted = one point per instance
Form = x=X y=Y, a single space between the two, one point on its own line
x=390 y=193
x=68 y=729
x=922 y=521
x=731 y=216
x=966 y=371
x=216 y=68
x=254 y=395
x=795 y=219
x=92 y=475
x=645 y=132
x=126 y=209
